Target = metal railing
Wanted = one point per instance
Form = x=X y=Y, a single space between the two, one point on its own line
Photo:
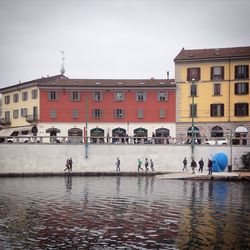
x=129 y=140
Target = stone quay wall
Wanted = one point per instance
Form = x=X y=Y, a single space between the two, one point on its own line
x=41 y=158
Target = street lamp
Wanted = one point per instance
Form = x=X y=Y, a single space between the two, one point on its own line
x=192 y=113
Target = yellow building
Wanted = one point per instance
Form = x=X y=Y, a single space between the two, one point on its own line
x=215 y=82
x=21 y=105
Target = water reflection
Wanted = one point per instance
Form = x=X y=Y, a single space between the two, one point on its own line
x=123 y=212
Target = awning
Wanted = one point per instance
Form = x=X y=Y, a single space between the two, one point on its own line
x=23 y=128
x=6 y=131
x=53 y=129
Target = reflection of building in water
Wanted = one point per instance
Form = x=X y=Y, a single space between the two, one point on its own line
x=215 y=220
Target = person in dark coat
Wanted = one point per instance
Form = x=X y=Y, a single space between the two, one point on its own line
x=67 y=165
x=185 y=162
x=193 y=166
x=210 y=167
x=146 y=164
x=152 y=165
x=118 y=162
x=70 y=164
x=201 y=165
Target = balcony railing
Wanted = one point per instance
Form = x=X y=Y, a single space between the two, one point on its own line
x=32 y=118
x=5 y=122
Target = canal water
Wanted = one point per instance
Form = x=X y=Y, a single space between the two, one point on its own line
x=123 y=213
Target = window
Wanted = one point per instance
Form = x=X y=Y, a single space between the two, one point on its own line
x=119 y=96
x=162 y=96
x=162 y=113
x=15 y=113
x=241 y=109
x=119 y=113
x=16 y=98
x=140 y=96
x=34 y=93
x=193 y=73
x=25 y=96
x=75 y=96
x=24 y=112
x=241 y=72
x=75 y=113
x=193 y=90
x=52 y=96
x=217 y=131
x=140 y=113
x=97 y=96
x=216 y=110
x=194 y=113
x=241 y=88
x=96 y=113
x=7 y=99
x=217 y=89
x=7 y=115
x=53 y=114
x=217 y=73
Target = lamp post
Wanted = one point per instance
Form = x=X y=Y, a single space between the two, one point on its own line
x=192 y=113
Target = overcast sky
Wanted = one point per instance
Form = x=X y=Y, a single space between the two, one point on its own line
x=112 y=38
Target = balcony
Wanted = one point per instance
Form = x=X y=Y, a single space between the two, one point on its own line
x=5 y=122
x=34 y=118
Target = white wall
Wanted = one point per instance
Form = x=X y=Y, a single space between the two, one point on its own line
x=19 y=158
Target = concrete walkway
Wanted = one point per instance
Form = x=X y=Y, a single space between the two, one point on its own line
x=205 y=176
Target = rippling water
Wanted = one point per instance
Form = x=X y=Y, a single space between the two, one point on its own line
x=123 y=213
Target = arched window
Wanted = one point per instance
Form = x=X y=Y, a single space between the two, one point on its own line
x=118 y=132
x=140 y=132
x=196 y=132
x=97 y=134
x=217 y=131
x=161 y=132
x=75 y=135
x=53 y=134
x=241 y=133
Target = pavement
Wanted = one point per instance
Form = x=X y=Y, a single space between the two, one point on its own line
x=204 y=176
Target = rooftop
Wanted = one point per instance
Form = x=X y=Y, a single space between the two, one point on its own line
x=214 y=53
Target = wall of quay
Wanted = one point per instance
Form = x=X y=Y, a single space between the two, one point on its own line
x=38 y=158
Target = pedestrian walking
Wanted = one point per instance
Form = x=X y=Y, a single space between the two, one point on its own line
x=70 y=164
x=193 y=166
x=118 y=162
x=152 y=165
x=139 y=165
x=210 y=167
x=201 y=165
x=146 y=164
x=67 y=165
x=185 y=162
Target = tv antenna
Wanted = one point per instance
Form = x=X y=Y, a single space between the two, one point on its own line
x=62 y=70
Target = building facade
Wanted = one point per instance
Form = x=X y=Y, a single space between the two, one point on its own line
x=212 y=88
x=60 y=106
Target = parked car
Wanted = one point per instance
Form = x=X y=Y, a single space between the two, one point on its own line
x=218 y=142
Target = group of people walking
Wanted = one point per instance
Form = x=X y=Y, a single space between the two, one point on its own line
x=146 y=164
x=193 y=165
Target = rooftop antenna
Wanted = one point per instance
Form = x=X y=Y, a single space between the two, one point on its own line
x=62 y=70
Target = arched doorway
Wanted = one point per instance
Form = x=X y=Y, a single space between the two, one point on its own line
x=53 y=134
x=140 y=132
x=118 y=132
x=217 y=131
x=240 y=135
x=196 y=135
x=75 y=135
x=161 y=132
x=97 y=134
